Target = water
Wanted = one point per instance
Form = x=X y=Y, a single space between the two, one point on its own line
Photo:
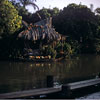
x=18 y=76
x=90 y=96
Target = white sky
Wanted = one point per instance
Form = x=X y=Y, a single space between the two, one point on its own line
x=63 y=3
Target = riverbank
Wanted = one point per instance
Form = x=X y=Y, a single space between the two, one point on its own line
x=33 y=60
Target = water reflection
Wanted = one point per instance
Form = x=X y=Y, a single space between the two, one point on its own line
x=16 y=76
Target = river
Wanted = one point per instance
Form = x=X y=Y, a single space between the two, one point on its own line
x=18 y=76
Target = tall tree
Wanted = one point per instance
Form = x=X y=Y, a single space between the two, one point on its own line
x=76 y=21
x=79 y=23
x=10 y=21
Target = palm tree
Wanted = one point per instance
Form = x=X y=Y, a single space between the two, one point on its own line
x=24 y=3
x=29 y=2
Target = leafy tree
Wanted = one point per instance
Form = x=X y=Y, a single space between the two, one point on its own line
x=78 y=22
x=26 y=16
x=10 y=21
x=96 y=45
x=50 y=12
x=97 y=11
x=21 y=7
x=55 y=11
x=44 y=13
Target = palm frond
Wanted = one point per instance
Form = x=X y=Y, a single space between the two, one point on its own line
x=40 y=31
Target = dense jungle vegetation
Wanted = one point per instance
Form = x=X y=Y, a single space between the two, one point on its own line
x=80 y=24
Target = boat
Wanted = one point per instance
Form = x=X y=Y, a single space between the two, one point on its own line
x=39 y=31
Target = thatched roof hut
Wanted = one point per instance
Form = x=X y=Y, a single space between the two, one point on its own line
x=40 y=31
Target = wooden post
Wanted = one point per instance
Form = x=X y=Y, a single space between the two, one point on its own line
x=50 y=81
x=66 y=92
x=99 y=75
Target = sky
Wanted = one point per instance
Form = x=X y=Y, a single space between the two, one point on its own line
x=63 y=3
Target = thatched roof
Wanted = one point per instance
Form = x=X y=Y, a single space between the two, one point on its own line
x=40 y=31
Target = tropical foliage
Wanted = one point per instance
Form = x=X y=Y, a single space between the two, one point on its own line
x=10 y=21
x=78 y=23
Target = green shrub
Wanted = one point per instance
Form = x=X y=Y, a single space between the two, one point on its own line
x=10 y=21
